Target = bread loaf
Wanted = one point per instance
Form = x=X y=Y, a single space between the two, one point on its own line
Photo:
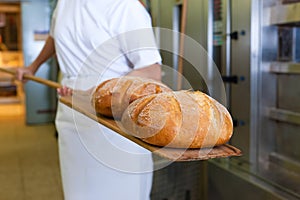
x=182 y=119
x=111 y=97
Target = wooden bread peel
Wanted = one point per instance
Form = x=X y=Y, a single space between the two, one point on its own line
x=33 y=78
x=83 y=105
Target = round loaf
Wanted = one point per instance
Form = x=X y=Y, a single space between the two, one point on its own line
x=112 y=96
x=181 y=119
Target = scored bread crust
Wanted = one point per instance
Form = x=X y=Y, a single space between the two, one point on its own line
x=181 y=119
x=112 y=96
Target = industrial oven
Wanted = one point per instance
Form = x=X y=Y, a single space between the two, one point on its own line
x=256 y=46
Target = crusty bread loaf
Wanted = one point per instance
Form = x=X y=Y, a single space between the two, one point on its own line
x=181 y=119
x=112 y=97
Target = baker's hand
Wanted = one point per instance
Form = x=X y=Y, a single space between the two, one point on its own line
x=64 y=91
x=21 y=71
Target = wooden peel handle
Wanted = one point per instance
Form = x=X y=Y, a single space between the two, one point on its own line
x=33 y=78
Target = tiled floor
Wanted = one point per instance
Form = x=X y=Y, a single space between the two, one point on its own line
x=29 y=168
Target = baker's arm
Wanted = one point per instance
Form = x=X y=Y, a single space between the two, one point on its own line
x=47 y=51
x=152 y=71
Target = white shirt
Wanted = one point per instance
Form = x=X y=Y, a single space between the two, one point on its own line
x=83 y=27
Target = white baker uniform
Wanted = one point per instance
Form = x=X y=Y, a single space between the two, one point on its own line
x=97 y=163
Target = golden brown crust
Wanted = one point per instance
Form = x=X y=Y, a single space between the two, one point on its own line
x=182 y=119
x=113 y=96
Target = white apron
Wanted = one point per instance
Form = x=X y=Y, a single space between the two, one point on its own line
x=96 y=163
x=89 y=168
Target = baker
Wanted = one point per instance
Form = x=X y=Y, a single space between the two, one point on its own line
x=94 y=41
